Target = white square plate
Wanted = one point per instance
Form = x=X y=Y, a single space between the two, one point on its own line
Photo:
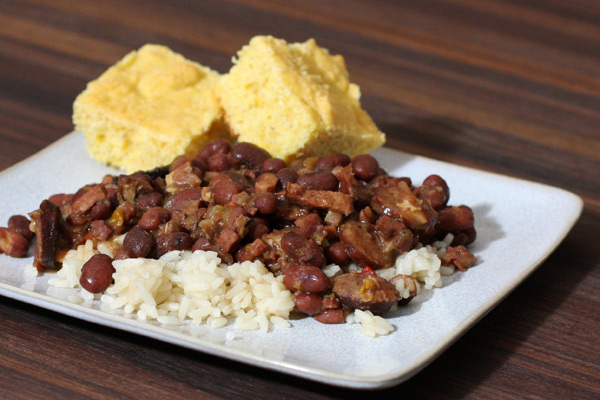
x=519 y=224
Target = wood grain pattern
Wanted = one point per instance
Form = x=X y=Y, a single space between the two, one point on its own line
x=510 y=86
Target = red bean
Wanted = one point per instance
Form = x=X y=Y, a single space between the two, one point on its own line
x=272 y=165
x=250 y=155
x=101 y=210
x=149 y=200
x=302 y=250
x=292 y=241
x=336 y=253
x=306 y=278
x=308 y=303
x=323 y=180
x=265 y=203
x=224 y=190
x=436 y=191
x=20 y=224
x=287 y=176
x=216 y=146
x=173 y=241
x=331 y=161
x=96 y=273
x=153 y=218
x=12 y=243
x=455 y=219
x=365 y=167
x=219 y=162
x=434 y=195
x=331 y=317
x=138 y=242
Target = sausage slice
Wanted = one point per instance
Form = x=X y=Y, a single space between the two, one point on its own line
x=365 y=292
x=362 y=245
x=47 y=220
x=398 y=202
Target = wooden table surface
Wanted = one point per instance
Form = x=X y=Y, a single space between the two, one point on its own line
x=510 y=86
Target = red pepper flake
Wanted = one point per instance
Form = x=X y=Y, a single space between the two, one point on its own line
x=367 y=270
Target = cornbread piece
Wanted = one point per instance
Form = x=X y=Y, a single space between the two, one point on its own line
x=295 y=100
x=150 y=107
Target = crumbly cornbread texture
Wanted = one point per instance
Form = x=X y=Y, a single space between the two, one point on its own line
x=150 y=107
x=295 y=100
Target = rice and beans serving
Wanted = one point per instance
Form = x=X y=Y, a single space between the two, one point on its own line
x=233 y=234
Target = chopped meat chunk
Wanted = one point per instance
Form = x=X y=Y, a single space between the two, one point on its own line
x=460 y=257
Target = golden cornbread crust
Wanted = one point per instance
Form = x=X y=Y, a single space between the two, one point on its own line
x=295 y=100
x=148 y=108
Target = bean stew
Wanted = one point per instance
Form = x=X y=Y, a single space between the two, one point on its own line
x=245 y=205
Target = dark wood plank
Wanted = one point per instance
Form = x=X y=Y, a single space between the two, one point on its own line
x=502 y=85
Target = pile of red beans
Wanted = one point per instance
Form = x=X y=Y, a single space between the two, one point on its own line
x=246 y=205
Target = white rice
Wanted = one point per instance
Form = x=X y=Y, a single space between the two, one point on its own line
x=371 y=325
x=184 y=286
x=422 y=264
x=332 y=270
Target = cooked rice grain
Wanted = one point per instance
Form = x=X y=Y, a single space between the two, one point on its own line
x=421 y=264
x=371 y=325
